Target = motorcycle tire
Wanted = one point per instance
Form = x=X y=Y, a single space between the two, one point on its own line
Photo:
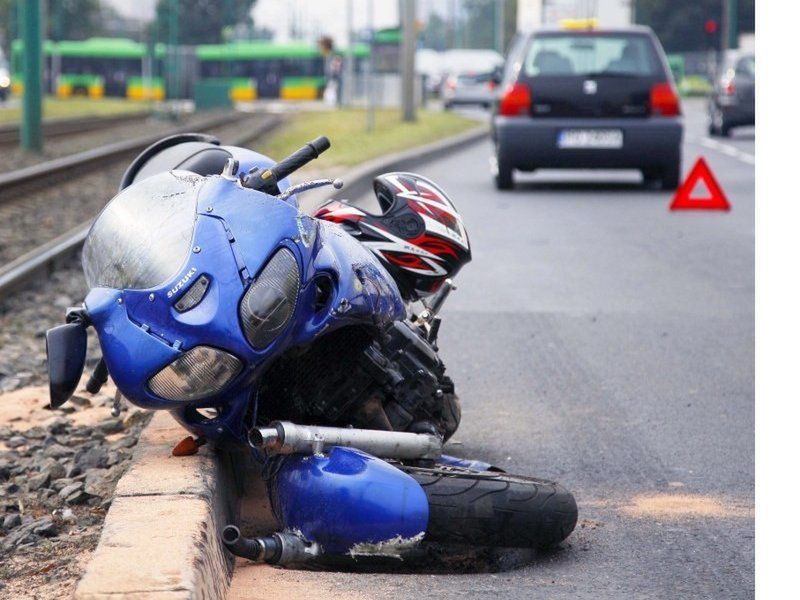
x=494 y=508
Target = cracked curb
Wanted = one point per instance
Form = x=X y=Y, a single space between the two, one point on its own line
x=160 y=537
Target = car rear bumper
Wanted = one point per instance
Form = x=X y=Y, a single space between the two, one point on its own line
x=525 y=143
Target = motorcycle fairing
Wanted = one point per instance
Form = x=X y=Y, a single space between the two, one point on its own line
x=236 y=232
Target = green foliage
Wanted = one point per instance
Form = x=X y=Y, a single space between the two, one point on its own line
x=434 y=35
x=680 y=24
x=64 y=20
x=202 y=21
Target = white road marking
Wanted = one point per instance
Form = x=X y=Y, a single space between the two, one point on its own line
x=727 y=149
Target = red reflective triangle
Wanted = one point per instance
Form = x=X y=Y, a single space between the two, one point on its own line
x=683 y=199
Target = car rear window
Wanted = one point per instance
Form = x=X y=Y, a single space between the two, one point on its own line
x=592 y=54
x=474 y=78
x=746 y=66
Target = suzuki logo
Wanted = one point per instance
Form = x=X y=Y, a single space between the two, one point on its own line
x=589 y=87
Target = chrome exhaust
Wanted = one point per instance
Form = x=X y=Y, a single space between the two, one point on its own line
x=283 y=437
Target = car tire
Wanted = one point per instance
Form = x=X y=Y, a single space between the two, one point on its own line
x=718 y=125
x=504 y=177
x=671 y=176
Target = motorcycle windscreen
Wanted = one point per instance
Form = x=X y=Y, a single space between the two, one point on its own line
x=144 y=234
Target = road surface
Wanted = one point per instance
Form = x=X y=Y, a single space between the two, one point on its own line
x=600 y=340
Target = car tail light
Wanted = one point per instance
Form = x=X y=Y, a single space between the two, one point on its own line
x=664 y=100
x=516 y=100
x=728 y=88
x=451 y=83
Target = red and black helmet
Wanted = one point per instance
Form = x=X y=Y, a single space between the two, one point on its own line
x=419 y=237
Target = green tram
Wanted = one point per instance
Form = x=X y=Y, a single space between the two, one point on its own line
x=120 y=67
x=97 y=67
x=292 y=71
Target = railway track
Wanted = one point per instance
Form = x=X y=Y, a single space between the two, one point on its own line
x=10 y=134
x=45 y=257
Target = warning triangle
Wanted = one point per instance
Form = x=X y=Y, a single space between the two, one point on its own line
x=700 y=177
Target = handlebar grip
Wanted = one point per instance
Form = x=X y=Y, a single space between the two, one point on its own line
x=304 y=155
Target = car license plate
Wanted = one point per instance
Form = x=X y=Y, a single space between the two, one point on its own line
x=590 y=138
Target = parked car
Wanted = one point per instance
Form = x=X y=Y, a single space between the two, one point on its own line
x=588 y=98
x=733 y=101
x=5 y=80
x=469 y=88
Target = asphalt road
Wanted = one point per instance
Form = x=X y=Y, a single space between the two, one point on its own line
x=600 y=340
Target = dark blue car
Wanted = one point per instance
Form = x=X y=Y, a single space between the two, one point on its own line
x=588 y=99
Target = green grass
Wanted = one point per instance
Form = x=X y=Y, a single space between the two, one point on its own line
x=352 y=144
x=64 y=108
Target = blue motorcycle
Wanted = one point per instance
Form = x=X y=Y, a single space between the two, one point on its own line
x=311 y=338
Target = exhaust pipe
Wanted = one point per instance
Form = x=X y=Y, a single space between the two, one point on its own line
x=283 y=437
x=275 y=549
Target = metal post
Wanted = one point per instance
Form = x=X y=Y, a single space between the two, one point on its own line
x=172 y=52
x=30 y=21
x=407 y=59
x=733 y=24
x=348 y=85
x=500 y=25
x=370 y=75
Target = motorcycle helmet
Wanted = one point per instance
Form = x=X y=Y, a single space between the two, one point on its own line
x=419 y=236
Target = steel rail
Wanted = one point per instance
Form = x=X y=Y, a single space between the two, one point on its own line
x=10 y=134
x=36 y=174
x=45 y=258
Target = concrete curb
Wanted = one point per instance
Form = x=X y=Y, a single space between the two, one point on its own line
x=161 y=535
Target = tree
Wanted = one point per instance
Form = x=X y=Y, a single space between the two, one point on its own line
x=680 y=24
x=64 y=20
x=202 y=21
x=435 y=34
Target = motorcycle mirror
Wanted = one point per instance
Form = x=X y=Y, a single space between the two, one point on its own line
x=66 y=355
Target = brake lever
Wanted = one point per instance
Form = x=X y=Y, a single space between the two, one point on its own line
x=309 y=185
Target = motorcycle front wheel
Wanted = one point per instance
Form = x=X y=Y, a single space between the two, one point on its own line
x=486 y=508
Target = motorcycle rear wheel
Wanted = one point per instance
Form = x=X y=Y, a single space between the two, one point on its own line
x=494 y=509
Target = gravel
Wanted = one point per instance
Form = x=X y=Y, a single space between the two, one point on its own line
x=56 y=147
x=55 y=489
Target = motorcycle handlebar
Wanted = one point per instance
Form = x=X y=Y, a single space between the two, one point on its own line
x=267 y=179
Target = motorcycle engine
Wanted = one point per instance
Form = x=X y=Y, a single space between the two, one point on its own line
x=389 y=379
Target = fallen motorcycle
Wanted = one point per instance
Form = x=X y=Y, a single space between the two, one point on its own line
x=312 y=339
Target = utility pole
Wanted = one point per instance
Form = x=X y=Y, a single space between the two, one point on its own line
x=500 y=25
x=29 y=14
x=348 y=85
x=730 y=30
x=407 y=58
x=370 y=75
x=173 y=79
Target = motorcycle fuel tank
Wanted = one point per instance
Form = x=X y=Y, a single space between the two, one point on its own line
x=349 y=502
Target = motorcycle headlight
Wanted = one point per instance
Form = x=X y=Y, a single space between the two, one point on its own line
x=269 y=303
x=199 y=373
